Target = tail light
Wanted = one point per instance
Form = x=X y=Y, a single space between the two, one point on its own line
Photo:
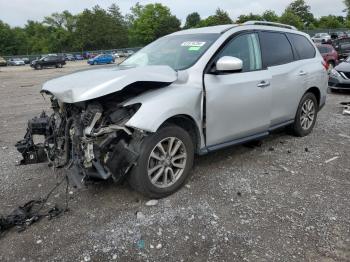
x=325 y=65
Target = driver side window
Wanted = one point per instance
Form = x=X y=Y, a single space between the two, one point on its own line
x=247 y=48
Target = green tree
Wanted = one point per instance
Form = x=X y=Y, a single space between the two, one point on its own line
x=221 y=17
x=100 y=29
x=290 y=18
x=192 y=20
x=330 y=21
x=148 y=23
x=270 y=16
x=250 y=17
x=302 y=10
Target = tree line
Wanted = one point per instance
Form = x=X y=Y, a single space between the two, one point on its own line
x=98 y=28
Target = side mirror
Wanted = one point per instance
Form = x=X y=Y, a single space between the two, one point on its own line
x=229 y=63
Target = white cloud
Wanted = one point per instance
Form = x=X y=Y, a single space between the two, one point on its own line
x=17 y=12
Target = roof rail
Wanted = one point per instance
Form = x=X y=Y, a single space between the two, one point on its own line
x=270 y=24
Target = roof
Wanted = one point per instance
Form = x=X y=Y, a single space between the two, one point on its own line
x=219 y=29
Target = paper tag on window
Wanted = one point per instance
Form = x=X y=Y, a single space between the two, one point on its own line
x=194 y=43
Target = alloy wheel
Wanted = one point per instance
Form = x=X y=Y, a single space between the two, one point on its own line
x=167 y=162
x=307 y=116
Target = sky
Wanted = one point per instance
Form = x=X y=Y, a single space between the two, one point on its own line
x=17 y=12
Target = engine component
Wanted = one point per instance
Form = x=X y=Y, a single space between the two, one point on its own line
x=90 y=141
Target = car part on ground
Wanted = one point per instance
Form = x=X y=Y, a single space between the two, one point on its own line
x=193 y=91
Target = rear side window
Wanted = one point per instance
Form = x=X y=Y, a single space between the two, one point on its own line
x=276 y=49
x=302 y=45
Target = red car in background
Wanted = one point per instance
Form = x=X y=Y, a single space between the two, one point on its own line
x=330 y=55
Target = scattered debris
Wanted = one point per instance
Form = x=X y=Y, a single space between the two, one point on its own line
x=151 y=246
x=331 y=159
x=271 y=149
x=239 y=194
x=39 y=241
x=343 y=135
x=152 y=202
x=140 y=216
x=346 y=110
x=32 y=211
x=114 y=257
x=187 y=186
x=346 y=106
x=306 y=149
x=4 y=147
x=159 y=246
x=141 y=244
x=87 y=258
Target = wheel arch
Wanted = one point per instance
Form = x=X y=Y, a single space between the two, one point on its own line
x=316 y=91
x=187 y=123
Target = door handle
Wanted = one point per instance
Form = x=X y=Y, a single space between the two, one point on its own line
x=302 y=73
x=263 y=84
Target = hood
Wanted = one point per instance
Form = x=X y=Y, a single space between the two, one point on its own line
x=343 y=67
x=91 y=84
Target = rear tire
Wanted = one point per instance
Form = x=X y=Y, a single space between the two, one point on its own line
x=306 y=115
x=38 y=67
x=158 y=174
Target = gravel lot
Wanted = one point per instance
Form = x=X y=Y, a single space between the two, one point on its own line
x=281 y=201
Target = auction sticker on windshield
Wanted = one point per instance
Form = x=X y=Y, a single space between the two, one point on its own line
x=193 y=44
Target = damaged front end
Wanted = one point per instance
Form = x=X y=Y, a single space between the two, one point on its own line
x=89 y=138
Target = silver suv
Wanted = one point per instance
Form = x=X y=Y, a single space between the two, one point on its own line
x=191 y=92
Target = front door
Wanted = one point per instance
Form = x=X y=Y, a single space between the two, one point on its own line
x=238 y=103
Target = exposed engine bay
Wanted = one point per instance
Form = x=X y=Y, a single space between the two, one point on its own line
x=88 y=138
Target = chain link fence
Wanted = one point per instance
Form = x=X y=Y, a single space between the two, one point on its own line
x=120 y=51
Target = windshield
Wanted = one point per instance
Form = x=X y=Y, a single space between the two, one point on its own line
x=179 y=51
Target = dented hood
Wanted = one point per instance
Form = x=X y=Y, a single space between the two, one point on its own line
x=90 y=84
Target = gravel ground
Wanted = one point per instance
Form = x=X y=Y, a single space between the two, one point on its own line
x=282 y=201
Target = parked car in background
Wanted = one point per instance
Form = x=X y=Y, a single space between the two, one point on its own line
x=101 y=59
x=26 y=60
x=78 y=57
x=339 y=78
x=15 y=62
x=146 y=119
x=69 y=57
x=3 y=62
x=129 y=53
x=321 y=38
x=329 y=54
x=338 y=35
x=342 y=46
x=48 y=61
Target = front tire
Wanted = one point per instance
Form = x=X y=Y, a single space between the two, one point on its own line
x=164 y=164
x=306 y=115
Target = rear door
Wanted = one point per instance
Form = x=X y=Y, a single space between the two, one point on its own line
x=288 y=77
x=237 y=103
